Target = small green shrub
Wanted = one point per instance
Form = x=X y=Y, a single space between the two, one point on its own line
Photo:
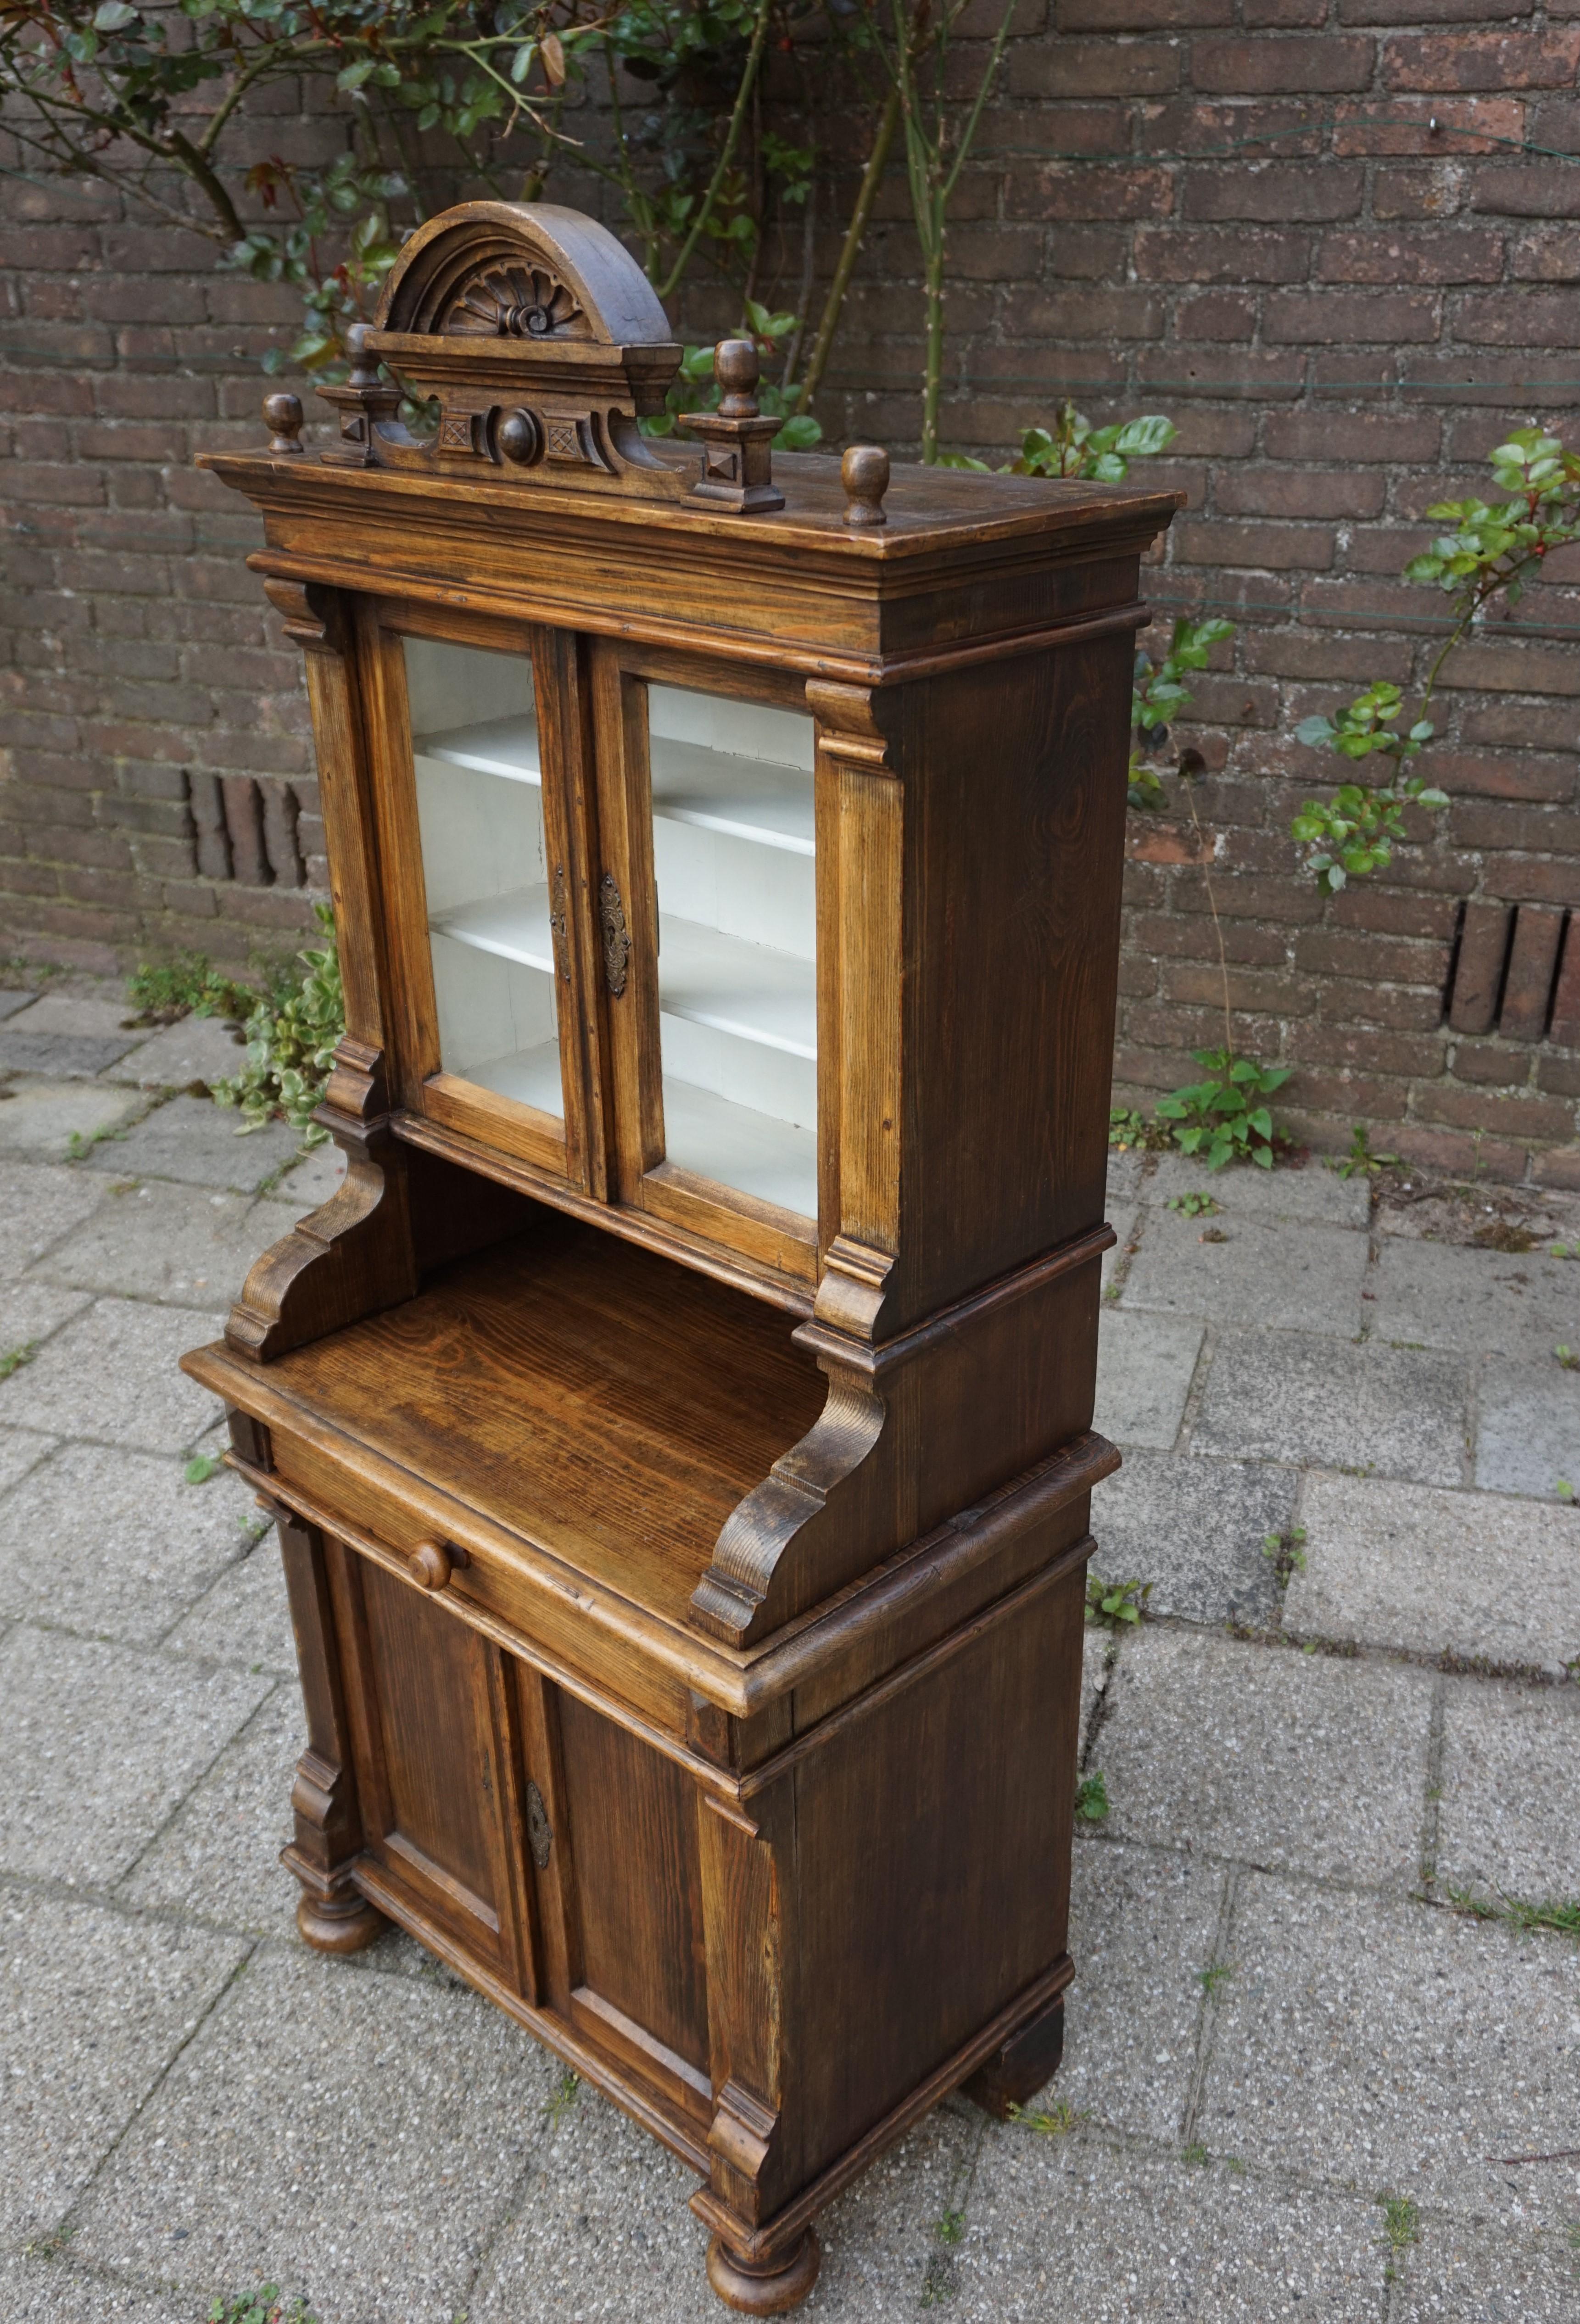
x=1225 y=1118
x=291 y=1032
x=1117 y=1605
x=1090 y=1799
x=186 y=985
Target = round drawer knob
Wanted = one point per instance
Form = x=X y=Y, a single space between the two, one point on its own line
x=521 y=438
x=430 y=1564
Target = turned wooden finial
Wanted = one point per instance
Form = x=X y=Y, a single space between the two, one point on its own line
x=865 y=474
x=736 y=368
x=365 y=371
x=283 y=417
x=737 y=466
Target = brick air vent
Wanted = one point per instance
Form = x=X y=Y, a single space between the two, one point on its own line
x=1516 y=972
x=245 y=830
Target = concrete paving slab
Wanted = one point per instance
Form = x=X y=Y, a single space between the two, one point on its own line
x=30 y=1314
x=1066 y=2228
x=1393 y=2046
x=1527 y=1429
x=183 y=1245
x=21 y=1449
x=309 y=1183
x=1479 y=1302
x=1295 y=1278
x=40 y=1118
x=1125 y=1173
x=68 y=1057
x=1141 y=1931
x=1093 y=1675
x=75 y=1016
x=1124 y=1222
x=1269 y=1756
x=1462 y=2271
x=11 y=1001
x=96 y=2005
x=1434 y=1571
x=1144 y=1369
x=197 y=1142
x=219 y=1859
x=1509 y=1824
x=384 y=2126
x=112 y=1376
x=41 y=1204
x=1195 y=1529
x=194 y=1049
x=47 y=2289
x=1394 y=1411
x=117 y=1544
x=245 y=1616
x=112 y=1740
x=1314 y=1194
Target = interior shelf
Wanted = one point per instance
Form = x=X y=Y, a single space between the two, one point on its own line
x=715 y=791
x=737 y=1146
x=515 y=926
x=750 y=990
x=607 y=1404
x=530 y=1076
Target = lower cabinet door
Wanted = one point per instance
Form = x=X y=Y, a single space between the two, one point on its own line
x=617 y=1862
x=434 y=1718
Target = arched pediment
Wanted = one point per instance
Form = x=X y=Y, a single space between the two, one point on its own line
x=520 y=271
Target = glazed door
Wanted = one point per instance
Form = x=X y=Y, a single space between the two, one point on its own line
x=479 y=750
x=709 y=902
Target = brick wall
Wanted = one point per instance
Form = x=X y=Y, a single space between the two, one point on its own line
x=1331 y=238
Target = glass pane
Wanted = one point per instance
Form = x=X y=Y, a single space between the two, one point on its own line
x=480 y=814
x=734 y=854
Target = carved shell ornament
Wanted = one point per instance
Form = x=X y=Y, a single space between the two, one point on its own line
x=514 y=302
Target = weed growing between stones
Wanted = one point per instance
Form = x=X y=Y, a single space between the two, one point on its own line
x=267 y=2305
x=564 y=2095
x=1116 y=1605
x=1091 y=1798
x=1287 y=1552
x=14 y=1357
x=1054 y=2122
x=1559 y=1916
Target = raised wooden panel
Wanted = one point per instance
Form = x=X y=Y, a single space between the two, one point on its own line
x=633 y=1832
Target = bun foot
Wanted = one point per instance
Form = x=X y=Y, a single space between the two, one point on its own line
x=764 y=2289
x=340 y=1925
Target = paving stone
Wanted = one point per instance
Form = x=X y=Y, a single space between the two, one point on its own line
x=1124 y=1222
x=1144 y=1369
x=1125 y=1173
x=1067 y=2229
x=309 y=1183
x=601 y=2229
x=112 y=1375
x=10 y=1002
x=199 y=1143
x=219 y=1858
x=245 y=1616
x=97 y=2004
x=1141 y=1929
x=1389 y=1410
x=1466 y=1573
x=180 y=1244
x=21 y=1449
x=1509 y=1820
x=194 y=1049
x=1527 y=1429
x=1299 y=1278
x=42 y=1204
x=1268 y=1754
x=67 y=1056
x=357 y=2136
x=1462 y=2271
x=29 y=1313
x=1480 y=1302
x=117 y=1543
x=1393 y=2046
x=1314 y=1194
x=42 y=1118
x=1195 y=1529
x=1093 y=1675
x=75 y=1016
x=111 y=1740
x=49 y=2290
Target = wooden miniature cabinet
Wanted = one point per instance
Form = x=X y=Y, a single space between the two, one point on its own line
x=678 y=1423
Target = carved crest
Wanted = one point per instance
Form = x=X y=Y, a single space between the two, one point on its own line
x=539 y=338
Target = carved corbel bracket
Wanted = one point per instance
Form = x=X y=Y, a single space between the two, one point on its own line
x=308 y=611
